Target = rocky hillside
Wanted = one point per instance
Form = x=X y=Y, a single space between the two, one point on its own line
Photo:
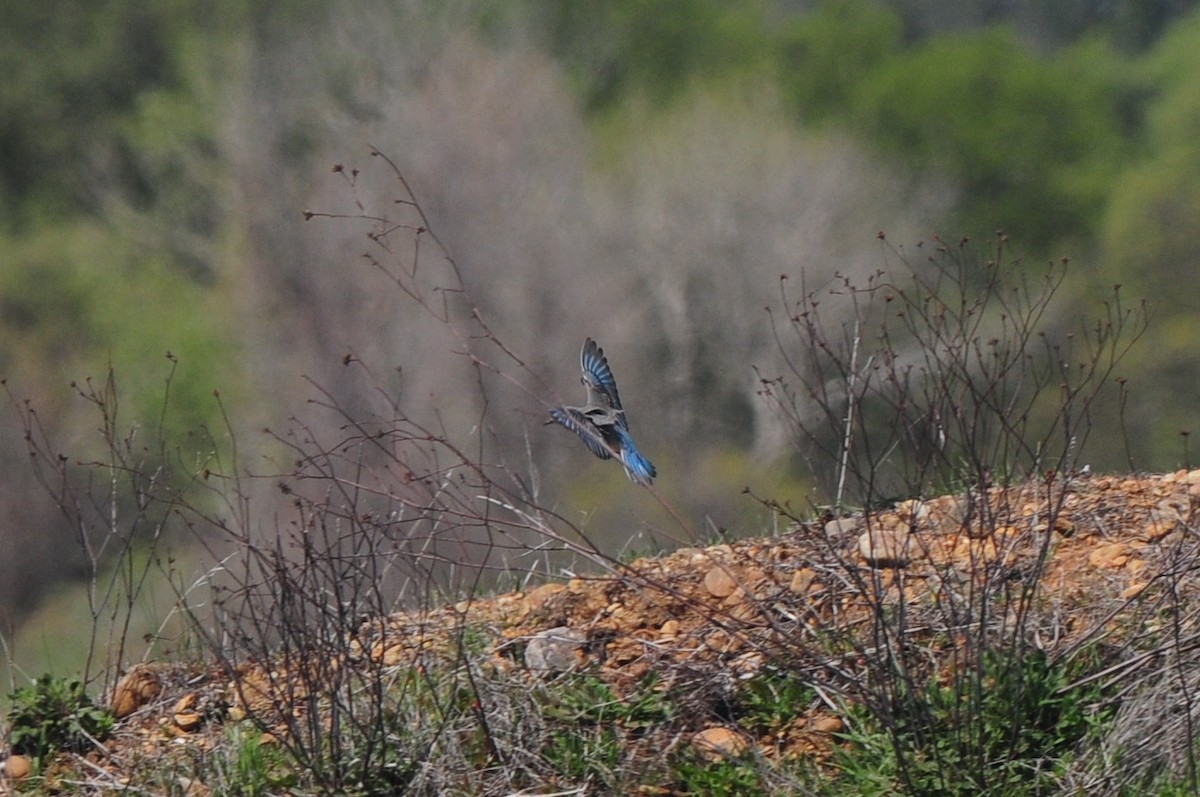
x=1003 y=641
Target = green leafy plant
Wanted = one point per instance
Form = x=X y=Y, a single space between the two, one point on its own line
x=1005 y=730
x=55 y=714
x=735 y=776
x=250 y=765
x=587 y=700
x=772 y=699
x=592 y=721
x=867 y=762
x=592 y=754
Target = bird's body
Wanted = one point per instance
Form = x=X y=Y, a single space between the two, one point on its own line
x=601 y=422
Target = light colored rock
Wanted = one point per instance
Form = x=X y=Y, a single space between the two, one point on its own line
x=17 y=767
x=1161 y=523
x=392 y=656
x=804 y=581
x=840 y=527
x=188 y=721
x=885 y=547
x=723 y=642
x=741 y=609
x=185 y=715
x=969 y=514
x=747 y=665
x=719 y=582
x=912 y=511
x=140 y=686
x=950 y=513
x=537 y=597
x=718 y=743
x=1133 y=590
x=558 y=649
x=1109 y=556
x=1064 y=526
x=827 y=724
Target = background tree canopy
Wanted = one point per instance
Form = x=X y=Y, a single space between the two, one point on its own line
x=639 y=171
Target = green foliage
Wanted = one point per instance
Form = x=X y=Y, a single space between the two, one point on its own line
x=1152 y=208
x=385 y=732
x=591 y=725
x=1148 y=239
x=1027 y=710
x=1165 y=785
x=591 y=755
x=772 y=699
x=111 y=113
x=173 y=175
x=1033 y=141
x=74 y=70
x=585 y=699
x=46 y=309
x=723 y=778
x=617 y=49
x=84 y=299
x=55 y=714
x=825 y=55
x=1003 y=730
x=867 y=764
x=252 y=768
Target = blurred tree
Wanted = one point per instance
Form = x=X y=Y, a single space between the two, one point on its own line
x=108 y=187
x=1150 y=245
x=71 y=70
x=196 y=132
x=71 y=304
x=1032 y=141
x=1133 y=24
x=1153 y=211
x=614 y=48
x=823 y=56
x=86 y=298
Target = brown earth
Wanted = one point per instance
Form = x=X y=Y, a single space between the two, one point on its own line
x=1103 y=546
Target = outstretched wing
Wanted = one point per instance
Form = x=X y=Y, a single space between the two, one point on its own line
x=599 y=379
x=578 y=423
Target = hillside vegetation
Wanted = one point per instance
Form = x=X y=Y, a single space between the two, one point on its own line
x=979 y=636
x=288 y=296
x=1038 y=646
x=642 y=170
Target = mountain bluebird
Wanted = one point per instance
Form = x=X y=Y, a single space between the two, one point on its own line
x=601 y=422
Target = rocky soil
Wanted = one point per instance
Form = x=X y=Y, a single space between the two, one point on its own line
x=1105 y=551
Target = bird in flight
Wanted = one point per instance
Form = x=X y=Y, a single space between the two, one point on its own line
x=601 y=422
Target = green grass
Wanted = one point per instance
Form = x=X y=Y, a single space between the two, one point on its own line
x=55 y=714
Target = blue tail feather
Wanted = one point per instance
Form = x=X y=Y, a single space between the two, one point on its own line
x=637 y=467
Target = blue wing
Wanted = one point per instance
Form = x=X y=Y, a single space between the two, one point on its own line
x=599 y=379
x=601 y=422
x=578 y=423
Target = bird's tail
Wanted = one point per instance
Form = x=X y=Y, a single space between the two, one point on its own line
x=637 y=467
